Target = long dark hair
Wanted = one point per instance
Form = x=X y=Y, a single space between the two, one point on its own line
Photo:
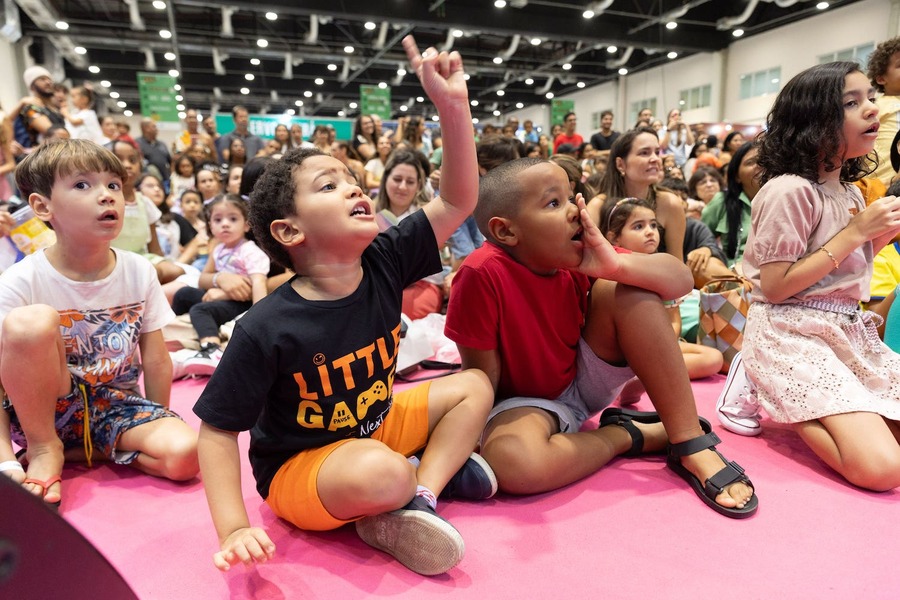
x=805 y=127
x=733 y=205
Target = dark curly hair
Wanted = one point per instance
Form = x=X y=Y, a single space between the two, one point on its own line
x=804 y=129
x=272 y=198
x=880 y=59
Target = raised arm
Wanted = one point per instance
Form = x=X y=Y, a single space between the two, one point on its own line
x=443 y=79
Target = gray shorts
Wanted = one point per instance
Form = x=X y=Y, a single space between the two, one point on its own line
x=596 y=385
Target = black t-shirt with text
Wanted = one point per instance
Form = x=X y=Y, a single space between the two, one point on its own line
x=302 y=374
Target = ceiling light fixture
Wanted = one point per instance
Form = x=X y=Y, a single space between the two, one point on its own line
x=348 y=49
x=822 y=5
x=529 y=81
x=165 y=34
x=319 y=81
x=500 y=3
x=249 y=76
x=580 y=85
x=671 y=25
x=737 y=32
x=121 y=104
x=255 y=62
x=169 y=56
x=114 y=95
x=245 y=91
x=382 y=85
x=298 y=102
x=549 y=95
x=498 y=60
x=370 y=26
x=128 y=113
x=567 y=66
x=94 y=69
x=80 y=50
x=672 y=55
x=272 y=16
x=612 y=49
x=105 y=83
x=62 y=25
x=262 y=43
x=623 y=71
x=535 y=41
x=159 y=5
x=173 y=73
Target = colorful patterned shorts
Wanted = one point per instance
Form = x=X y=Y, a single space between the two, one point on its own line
x=112 y=413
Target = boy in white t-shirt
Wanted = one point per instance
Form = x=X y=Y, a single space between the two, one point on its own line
x=71 y=321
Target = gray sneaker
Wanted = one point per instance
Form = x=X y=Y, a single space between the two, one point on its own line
x=416 y=536
x=738 y=407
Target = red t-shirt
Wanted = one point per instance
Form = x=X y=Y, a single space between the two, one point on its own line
x=534 y=321
x=575 y=139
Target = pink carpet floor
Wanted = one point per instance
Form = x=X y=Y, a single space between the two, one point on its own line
x=633 y=530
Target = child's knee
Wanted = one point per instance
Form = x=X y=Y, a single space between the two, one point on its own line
x=385 y=478
x=876 y=471
x=516 y=465
x=180 y=462
x=34 y=324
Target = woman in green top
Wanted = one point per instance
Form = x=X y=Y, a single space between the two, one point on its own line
x=728 y=213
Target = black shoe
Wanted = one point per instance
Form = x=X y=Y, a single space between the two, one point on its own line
x=475 y=480
x=416 y=536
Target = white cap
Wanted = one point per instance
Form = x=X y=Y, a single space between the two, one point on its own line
x=33 y=73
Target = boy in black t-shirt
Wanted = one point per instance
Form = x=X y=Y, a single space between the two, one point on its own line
x=310 y=368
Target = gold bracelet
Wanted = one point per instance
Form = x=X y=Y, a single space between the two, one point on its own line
x=831 y=256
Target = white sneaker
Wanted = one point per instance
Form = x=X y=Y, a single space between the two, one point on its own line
x=204 y=361
x=179 y=371
x=738 y=407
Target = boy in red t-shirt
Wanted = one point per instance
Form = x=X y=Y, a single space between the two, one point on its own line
x=560 y=321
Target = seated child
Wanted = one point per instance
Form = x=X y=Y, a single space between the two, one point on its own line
x=73 y=318
x=138 y=231
x=631 y=224
x=210 y=306
x=558 y=347
x=310 y=367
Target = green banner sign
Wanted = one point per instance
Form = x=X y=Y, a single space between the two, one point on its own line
x=558 y=110
x=264 y=125
x=375 y=101
x=157 y=93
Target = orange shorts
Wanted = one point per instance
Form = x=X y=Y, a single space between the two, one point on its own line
x=293 y=494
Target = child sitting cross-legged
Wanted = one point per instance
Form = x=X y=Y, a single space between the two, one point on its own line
x=73 y=319
x=563 y=321
x=310 y=368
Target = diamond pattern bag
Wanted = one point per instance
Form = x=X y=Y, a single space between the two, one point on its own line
x=724 y=303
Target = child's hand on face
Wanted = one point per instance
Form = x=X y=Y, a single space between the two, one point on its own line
x=599 y=259
x=249 y=545
x=441 y=74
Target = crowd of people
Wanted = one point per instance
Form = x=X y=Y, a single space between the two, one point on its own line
x=557 y=262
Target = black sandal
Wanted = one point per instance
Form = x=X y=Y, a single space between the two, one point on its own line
x=731 y=473
x=623 y=417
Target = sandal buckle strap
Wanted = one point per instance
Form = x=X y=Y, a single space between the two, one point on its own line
x=695 y=445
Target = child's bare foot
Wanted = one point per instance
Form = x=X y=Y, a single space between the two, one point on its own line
x=721 y=485
x=45 y=464
x=707 y=463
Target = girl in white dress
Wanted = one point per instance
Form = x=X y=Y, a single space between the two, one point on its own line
x=813 y=355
